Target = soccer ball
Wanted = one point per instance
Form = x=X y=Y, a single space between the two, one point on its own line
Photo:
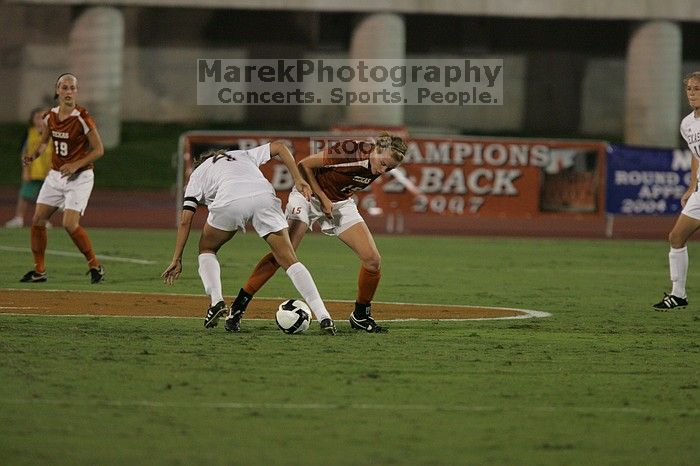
x=293 y=316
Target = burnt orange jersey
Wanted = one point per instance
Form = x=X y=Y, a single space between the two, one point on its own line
x=345 y=169
x=70 y=142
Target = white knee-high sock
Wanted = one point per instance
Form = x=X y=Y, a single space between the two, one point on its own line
x=210 y=273
x=678 y=264
x=301 y=278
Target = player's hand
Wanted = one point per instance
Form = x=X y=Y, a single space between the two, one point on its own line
x=685 y=197
x=172 y=272
x=304 y=188
x=27 y=159
x=327 y=208
x=68 y=169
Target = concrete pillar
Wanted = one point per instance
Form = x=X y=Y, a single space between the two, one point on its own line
x=653 y=84
x=13 y=39
x=96 y=49
x=381 y=35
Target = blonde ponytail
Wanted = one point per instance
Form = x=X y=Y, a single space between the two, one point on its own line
x=397 y=145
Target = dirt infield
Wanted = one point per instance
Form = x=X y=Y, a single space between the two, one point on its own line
x=169 y=305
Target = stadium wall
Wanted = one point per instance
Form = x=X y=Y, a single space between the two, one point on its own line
x=600 y=9
x=563 y=77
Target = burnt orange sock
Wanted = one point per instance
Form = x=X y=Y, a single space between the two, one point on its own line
x=39 y=240
x=82 y=240
x=264 y=271
x=367 y=283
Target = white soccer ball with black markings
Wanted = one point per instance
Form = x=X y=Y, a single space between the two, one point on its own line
x=293 y=316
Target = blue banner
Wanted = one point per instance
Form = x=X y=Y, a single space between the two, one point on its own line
x=642 y=181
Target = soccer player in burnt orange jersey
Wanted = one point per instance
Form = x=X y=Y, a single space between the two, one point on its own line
x=76 y=145
x=334 y=175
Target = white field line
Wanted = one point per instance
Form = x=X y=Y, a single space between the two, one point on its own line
x=77 y=254
x=18 y=308
x=330 y=406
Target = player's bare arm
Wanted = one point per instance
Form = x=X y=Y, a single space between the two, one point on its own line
x=25 y=168
x=308 y=165
x=693 y=177
x=29 y=158
x=280 y=150
x=172 y=272
x=96 y=151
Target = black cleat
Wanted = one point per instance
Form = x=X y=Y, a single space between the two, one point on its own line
x=213 y=314
x=97 y=274
x=233 y=321
x=670 y=302
x=33 y=277
x=328 y=326
x=238 y=307
x=365 y=322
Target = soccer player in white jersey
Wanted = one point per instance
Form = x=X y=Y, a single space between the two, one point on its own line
x=236 y=192
x=688 y=221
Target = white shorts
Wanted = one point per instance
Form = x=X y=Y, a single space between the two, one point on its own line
x=67 y=192
x=345 y=213
x=692 y=207
x=264 y=211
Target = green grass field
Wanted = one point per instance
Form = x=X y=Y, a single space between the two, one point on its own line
x=603 y=381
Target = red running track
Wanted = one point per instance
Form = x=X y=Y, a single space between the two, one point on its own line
x=156 y=209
